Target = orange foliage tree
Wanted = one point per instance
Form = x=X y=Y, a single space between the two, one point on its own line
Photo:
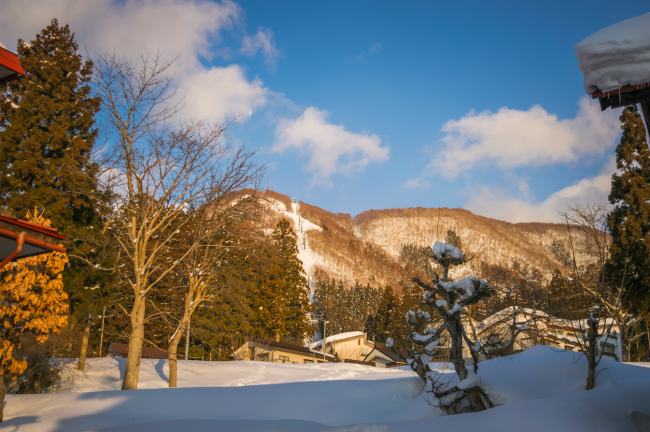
x=31 y=301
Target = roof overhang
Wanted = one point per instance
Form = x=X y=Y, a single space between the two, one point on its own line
x=624 y=96
x=37 y=240
x=10 y=67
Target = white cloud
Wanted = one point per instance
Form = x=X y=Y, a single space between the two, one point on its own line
x=492 y=202
x=511 y=138
x=331 y=148
x=185 y=28
x=223 y=92
x=262 y=41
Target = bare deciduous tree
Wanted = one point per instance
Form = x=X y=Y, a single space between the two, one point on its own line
x=157 y=168
x=590 y=276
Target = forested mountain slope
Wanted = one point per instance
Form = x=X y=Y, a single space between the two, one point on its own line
x=367 y=248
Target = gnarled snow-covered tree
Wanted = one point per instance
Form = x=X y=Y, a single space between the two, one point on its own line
x=448 y=299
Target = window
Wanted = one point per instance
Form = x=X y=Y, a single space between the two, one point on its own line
x=284 y=359
x=608 y=350
x=308 y=361
x=364 y=351
x=263 y=357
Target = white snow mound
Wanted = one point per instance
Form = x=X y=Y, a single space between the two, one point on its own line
x=616 y=56
x=540 y=389
x=444 y=250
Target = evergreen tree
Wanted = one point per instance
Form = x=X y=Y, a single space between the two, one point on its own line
x=629 y=221
x=385 y=314
x=291 y=301
x=47 y=136
x=47 y=132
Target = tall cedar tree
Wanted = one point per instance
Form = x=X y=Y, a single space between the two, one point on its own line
x=629 y=222
x=291 y=300
x=385 y=315
x=47 y=136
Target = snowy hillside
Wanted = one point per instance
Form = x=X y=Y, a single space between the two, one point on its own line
x=492 y=241
x=366 y=248
x=539 y=390
x=301 y=227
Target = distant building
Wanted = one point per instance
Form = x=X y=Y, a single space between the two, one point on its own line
x=382 y=356
x=120 y=350
x=279 y=352
x=351 y=345
x=538 y=328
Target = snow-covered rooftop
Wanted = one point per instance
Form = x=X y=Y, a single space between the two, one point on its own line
x=616 y=56
x=335 y=338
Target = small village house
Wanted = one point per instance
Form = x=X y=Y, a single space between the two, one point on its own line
x=117 y=349
x=279 y=352
x=538 y=328
x=382 y=356
x=351 y=345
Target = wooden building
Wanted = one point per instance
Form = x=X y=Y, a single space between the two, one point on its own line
x=279 y=352
x=117 y=349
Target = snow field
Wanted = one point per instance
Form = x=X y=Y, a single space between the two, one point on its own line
x=538 y=390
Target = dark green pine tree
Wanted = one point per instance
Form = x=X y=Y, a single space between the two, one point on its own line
x=47 y=132
x=629 y=221
x=291 y=288
x=47 y=136
x=385 y=314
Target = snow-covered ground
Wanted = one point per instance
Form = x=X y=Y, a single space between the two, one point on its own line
x=538 y=390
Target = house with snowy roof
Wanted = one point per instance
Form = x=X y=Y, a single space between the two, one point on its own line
x=382 y=356
x=534 y=327
x=350 y=345
x=268 y=350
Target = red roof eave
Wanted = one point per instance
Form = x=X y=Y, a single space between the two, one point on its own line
x=32 y=226
x=622 y=90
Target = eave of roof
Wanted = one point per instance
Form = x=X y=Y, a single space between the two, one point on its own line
x=32 y=226
x=290 y=347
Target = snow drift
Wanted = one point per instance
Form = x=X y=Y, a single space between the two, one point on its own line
x=539 y=389
x=616 y=56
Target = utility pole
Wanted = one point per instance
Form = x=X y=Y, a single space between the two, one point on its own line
x=324 y=338
x=101 y=337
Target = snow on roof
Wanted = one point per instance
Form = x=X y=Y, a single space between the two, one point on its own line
x=506 y=315
x=616 y=56
x=444 y=250
x=524 y=315
x=335 y=338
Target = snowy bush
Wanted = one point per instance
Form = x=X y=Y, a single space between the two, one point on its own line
x=448 y=298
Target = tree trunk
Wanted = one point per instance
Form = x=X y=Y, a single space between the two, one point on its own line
x=626 y=351
x=592 y=337
x=135 y=349
x=455 y=329
x=173 y=355
x=84 y=344
x=473 y=395
x=173 y=364
x=3 y=391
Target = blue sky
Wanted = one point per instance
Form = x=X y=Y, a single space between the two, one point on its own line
x=368 y=104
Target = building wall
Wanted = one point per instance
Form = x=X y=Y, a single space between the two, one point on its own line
x=352 y=349
x=272 y=354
